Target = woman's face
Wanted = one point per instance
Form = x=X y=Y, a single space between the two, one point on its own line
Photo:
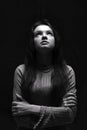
x=44 y=38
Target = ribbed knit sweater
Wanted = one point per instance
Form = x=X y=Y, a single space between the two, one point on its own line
x=46 y=111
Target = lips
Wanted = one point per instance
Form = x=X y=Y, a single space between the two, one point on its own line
x=44 y=42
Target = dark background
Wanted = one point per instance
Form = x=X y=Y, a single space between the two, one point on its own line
x=13 y=17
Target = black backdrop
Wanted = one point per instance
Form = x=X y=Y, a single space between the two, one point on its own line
x=13 y=17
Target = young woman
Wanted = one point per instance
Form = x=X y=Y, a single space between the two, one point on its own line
x=44 y=92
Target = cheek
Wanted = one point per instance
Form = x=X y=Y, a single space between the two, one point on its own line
x=52 y=41
x=36 y=40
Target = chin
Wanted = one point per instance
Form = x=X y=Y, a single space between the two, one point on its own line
x=46 y=48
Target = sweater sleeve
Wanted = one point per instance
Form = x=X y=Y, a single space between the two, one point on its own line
x=65 y=114
x=26 y=120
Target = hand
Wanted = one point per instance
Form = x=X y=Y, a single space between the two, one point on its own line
x=20 y=108
x=69 y=101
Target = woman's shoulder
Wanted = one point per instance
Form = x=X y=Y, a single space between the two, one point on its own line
x=20 y=68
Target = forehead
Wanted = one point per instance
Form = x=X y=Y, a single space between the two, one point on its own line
x=42 y=28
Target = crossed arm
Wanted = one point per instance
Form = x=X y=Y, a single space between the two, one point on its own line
x=30 y=115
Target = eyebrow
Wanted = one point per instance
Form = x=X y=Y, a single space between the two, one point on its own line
x=37 y=31
x=46 y=31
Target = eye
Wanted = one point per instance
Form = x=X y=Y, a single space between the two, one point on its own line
x=50 y=33
x=37 y=33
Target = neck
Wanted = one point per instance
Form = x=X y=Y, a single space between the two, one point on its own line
x=44 y=60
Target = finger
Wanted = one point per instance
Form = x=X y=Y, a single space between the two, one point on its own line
x=71 y=94
x=69 y=98
x=15 y=108
x=17 y=113
x=69 y=105
x=14 y=103
x=14 y=113
x=70 y=101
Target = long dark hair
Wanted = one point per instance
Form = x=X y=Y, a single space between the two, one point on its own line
x=59 y=63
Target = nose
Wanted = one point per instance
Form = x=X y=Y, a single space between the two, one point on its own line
x=44 y=36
